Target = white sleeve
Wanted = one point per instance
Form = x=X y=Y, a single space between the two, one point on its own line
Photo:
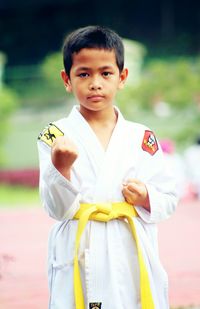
x=60 y=198
x=161 y=186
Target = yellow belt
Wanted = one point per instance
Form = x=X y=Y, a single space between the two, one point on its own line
x=105 y=212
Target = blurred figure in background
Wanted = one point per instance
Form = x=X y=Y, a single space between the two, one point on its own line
x=176 y=164
x=192 y=157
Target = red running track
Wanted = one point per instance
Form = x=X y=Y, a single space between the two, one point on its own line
x=23 y=248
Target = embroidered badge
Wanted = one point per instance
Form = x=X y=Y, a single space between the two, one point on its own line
x=149 y=142
x=94 y=305
x=50 y=133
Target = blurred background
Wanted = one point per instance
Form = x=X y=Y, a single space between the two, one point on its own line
x=162 y=45
x=162 y=41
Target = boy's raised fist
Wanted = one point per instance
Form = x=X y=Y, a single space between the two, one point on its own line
x=63 y=154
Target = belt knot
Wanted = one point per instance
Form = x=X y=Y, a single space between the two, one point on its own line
x=105 y=208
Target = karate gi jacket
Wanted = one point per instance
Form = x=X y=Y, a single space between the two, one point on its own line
x=107 y=254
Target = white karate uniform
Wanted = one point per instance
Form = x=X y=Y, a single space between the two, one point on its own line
x=107 y=253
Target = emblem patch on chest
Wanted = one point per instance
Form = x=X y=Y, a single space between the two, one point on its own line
x=149 y=142
x=94 y=305
x=49 y=134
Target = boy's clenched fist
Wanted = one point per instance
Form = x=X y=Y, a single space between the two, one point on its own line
x=63 y=154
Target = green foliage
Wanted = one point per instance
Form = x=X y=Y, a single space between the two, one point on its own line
x=8 y=102
x=176 y=81
x=8 y=99
x=39 y=86
x=50 y=68
x=44 y=87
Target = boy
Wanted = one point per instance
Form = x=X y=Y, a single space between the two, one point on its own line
x=103 y=178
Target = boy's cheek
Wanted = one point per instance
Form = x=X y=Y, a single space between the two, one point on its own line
x=121 y=86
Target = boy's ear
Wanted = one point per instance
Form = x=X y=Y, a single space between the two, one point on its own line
x=66 y=81
x=123 y=77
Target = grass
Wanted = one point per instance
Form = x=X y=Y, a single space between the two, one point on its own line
x=18 y=196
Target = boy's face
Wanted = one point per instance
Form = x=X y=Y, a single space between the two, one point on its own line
x=94 y=78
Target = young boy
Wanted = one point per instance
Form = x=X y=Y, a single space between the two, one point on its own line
x=103 y=178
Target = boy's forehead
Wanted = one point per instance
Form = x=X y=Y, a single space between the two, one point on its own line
x=87 y=57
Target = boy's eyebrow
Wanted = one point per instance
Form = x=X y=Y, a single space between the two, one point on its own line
x=106 y=67
x=82 y=69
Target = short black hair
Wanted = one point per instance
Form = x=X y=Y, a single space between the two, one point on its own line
x=92 y=37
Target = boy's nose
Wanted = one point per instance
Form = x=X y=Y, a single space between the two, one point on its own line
x=95 y=84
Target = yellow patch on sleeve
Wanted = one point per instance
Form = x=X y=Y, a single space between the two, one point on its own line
x=49 y=134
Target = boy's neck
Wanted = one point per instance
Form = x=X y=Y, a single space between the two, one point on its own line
x=102 y=123
x=102 y=117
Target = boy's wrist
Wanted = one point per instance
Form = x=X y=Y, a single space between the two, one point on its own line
x=65 y=172
x=146 y=204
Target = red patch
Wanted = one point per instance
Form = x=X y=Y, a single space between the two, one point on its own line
x=149 y=142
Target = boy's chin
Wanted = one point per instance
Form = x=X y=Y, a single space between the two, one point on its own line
x=96 y=106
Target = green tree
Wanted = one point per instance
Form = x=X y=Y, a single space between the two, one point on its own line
x=177 y=81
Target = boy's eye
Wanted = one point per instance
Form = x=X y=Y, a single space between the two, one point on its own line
x=106 y=74
x=83 y=75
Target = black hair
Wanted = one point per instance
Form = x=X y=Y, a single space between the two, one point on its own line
x=92 y=37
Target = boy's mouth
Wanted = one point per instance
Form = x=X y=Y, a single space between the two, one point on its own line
x=95 y=97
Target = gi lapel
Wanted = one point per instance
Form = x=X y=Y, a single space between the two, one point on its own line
x=114 y=165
